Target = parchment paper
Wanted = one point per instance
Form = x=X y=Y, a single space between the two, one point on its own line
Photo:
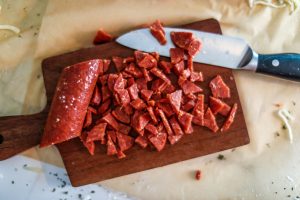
x=260 y=170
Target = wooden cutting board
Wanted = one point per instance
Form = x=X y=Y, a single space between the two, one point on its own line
x=22 y=132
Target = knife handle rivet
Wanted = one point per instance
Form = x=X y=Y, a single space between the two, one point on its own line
x=275 y=63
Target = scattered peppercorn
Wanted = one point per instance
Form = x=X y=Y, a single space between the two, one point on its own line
x=12 y=182
x=284 y=127
x=294 y=103
x=284 y=188
x=92 y=191
x=80 y=196
x=288 y=195
x=198 y=175
x=25 y=165
x=277 y=134
x=221 y=157
x=65 y=192
x=53 y=190
x=55 y=174
x=292 y=188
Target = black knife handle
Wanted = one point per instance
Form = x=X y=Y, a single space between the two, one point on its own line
x=285 y=65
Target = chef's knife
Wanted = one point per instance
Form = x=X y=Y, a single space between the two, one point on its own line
x=220 y=50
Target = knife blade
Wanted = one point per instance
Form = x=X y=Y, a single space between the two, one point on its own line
x=220 y=50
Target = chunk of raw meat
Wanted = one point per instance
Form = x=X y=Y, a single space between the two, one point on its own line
x=175 y=100
x=175 y=126
x=138 y=104
x=158 y=141
x=102 y=37
x=165 y=121
x=142 y=141
x=123 y=96
x=96 y=133
x=218 y=106
x=194 y=47
x=198 y=111
x=104 y=106
x=134 y=71
x=105 y=93
x=166 y=66
x=109 y=119
x=182 y=39
x=89 y=145
x=152 y=115
x=190 y=88
x=188 y=106
x=219 y=88
x=151 y=128
x=185 y=119
x=146 y=94
x=158 y=73
x=133 y=91
x=121 y=115
x=176 y=55
x=118 y=61
x=196 y=76
x=145 y=60
x=111 y=148
x=125 y=142
x=178 y=68
x=158 y=32
x=210 y=121
x=230 y=118
x=88 y=119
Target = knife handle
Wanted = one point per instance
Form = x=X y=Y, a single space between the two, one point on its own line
x=285 y=65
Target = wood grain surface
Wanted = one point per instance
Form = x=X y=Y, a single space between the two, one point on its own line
x=83 y=168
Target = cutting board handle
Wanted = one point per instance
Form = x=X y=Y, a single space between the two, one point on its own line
x=23 y=133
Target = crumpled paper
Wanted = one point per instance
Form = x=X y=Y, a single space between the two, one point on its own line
x=258 y=170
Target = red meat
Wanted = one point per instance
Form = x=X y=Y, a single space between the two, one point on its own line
x=118 y=61
x=151 y=128
x=142 y=141
x=70 y=101
x=138 y=104
x=104 y=106
x=190 y=88
x=175 y=126
x=194 y=47
x=230 y=118
x=176 y=55
x=166 y=66
x=185 y=119
x=158 y=32
x=134 y=71
x=148 y=77
x=178 y=68
x=133 y=91
x=146 y=94
x=96 y=133
x=125 y=142
x=158 y=141
x=219 y=88
x=152 y=115
x=158 y=73
x=165 y=121
x=198 y=111
x=182 y=39
x=111 y=148
x=109 y=119
x=196 y=76
x=210 y=121
x=89 y=145
x=102 y=37
x=175 y=100
x=121 y=115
